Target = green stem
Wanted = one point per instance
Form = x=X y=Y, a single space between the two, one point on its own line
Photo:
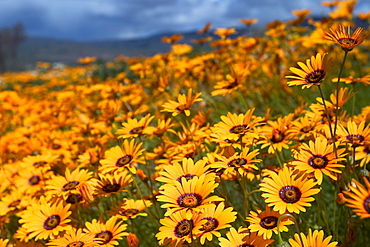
x=142 y=198
x=225 y=193
x=295 y=223
x=246 y=201
x=277 y=155
x=353 y=156
x=188 y=126
x=353 y=99
x=245 y=193
x=337 y=93
x=241 y=97
x=332 y=134
x=151 y=187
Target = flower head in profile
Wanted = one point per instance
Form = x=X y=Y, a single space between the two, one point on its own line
x=181 y=49
x=314 y=239
x=240 y=162
x=232 y=83
x=112 y=183
x=285 y=192
x=183 y=104
x=134 y=127
x=130 y=209
x=355 y=135
x=345 y=39
x=358 y=198
x=248 y=22
x=310 y=74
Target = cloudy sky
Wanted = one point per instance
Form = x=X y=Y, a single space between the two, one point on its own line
x=127 y=19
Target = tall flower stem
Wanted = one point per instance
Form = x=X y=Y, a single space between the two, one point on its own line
x=295 y=223
x=337 y=91
x=353 y=99
x=332 y=134
x=142 y=198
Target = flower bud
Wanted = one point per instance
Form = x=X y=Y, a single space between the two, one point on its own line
x=132 y=240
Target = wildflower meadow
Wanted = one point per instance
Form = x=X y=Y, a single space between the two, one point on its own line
x=229 y=140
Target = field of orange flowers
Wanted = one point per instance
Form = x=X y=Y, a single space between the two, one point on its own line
x=246 y=141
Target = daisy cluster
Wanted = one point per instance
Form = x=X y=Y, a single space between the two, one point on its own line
x=206 y=145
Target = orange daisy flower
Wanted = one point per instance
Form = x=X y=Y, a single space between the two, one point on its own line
x=135 y=128
x=314 y=239
x=183 y=104
x=189 y=195
x=119 y=159
x=318 y=158
x=44 y=221
x=108 y=232
x=266 y=222
x=344 y=38
x=285 y=192
x=311 y=73
x=358 y=198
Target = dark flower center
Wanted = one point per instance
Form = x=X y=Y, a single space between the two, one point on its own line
x=137 y=130
x=237 y=162
x=70 y=185
x=277 y=136
x=183 y=228
x=269 y=222
x=189 y=200
x=40 y=163
x=56 y=146
x=187 y=177
x=355 y=139
x=111 y=188
x=347 y=41
x=246 y=245
x=367 y=204
x=34 y=180
x=318 y=161
x=129 y=212
x=315 y=77
x=74 y=198
x=210 y=225
x=106 y=236
x=290 y=194
x=124 y=160
x=231 y=85
x=239 y=129
x=76 y=244
x=52 y=222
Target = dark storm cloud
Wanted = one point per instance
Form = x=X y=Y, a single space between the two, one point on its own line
x=108 y=19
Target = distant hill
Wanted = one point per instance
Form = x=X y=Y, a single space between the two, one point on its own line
x=67 y=51
x=44 y=49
